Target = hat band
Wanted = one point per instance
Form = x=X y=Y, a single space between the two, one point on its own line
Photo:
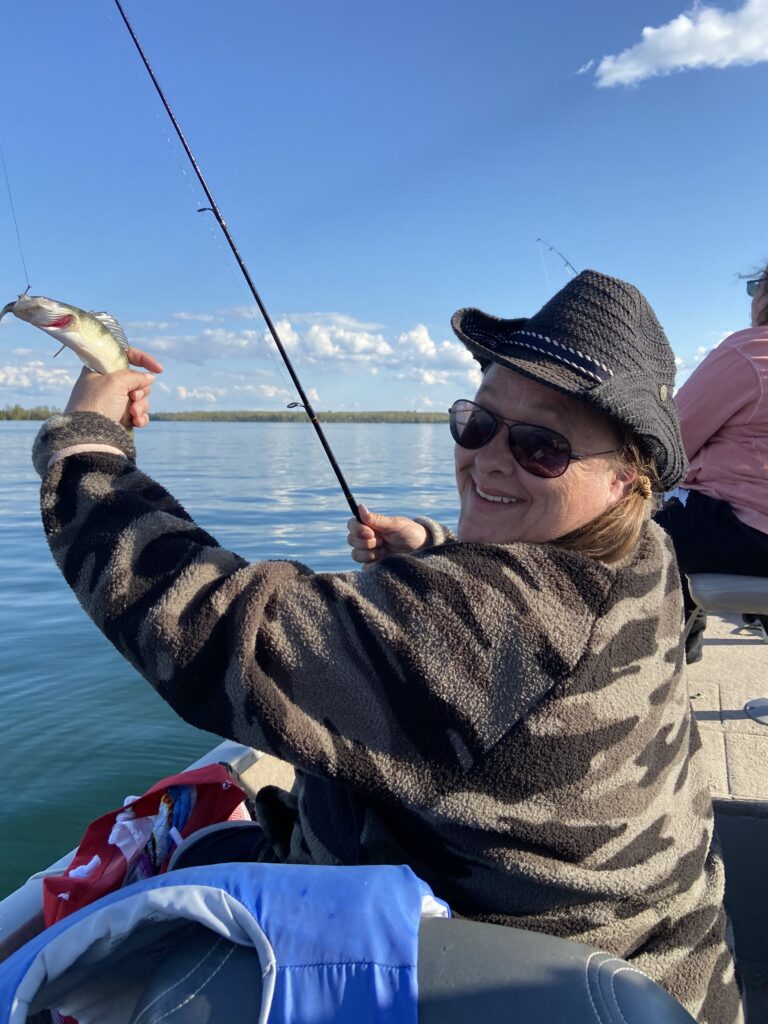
x=557 y=350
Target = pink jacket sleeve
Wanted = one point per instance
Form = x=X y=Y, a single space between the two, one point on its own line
x=725 y=383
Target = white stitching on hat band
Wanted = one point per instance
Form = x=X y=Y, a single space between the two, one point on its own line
x=492 y=342
x=575 y=351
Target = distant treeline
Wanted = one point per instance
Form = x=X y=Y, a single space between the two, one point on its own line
x=37 y=412
x=278 y=416
x=42 y=412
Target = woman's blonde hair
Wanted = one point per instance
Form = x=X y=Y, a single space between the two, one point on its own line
x=761 y=311
x=613 y=534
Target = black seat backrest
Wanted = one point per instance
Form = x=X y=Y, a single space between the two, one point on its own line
x=472 y=973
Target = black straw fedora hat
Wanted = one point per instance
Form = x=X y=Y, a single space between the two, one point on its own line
x=599 y=341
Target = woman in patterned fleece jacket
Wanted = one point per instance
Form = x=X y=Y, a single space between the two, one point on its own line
x=504 y=710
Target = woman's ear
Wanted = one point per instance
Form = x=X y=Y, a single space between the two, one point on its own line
x=623 y=479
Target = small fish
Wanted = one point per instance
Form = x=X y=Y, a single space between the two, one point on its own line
x=96 y=338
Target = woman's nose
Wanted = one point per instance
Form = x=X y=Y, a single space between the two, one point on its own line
x=496 y=455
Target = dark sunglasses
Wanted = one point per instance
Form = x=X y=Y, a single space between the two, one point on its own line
x=754 y=286
x=537 y=450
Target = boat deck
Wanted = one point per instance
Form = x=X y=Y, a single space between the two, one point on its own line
x=732 y=672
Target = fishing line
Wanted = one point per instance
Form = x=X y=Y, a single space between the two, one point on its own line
x=15 y=221
x=544 y=267
x=226 y=258
x=212 y=206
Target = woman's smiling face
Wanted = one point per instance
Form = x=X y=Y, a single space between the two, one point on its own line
x=501 y=502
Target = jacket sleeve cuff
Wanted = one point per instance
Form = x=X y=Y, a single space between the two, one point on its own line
x=78 y=428
x=436 y=532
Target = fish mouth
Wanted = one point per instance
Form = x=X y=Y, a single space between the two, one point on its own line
x=7 y=309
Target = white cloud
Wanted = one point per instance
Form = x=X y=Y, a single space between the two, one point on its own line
x=433 y=377
x=438 y=365
x=272 y=391
x=332 y=338
x=685 y=364
x=340 y=319
x=242 y=378
x=585 y=67
x=427 y=402
x=35 y=377
x=202 y=317
x=206 y=394
x=420 y=341
x=286 y=333
x=210 y=343
x=702 y=37
x=332 y=341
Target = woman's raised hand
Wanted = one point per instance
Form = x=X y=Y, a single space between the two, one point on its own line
x=377 y=536
x=122 y=396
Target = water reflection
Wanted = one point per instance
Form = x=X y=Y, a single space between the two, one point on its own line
x=81 y=730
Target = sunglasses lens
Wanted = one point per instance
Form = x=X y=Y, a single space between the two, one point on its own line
x=471 y=426
x=752 y=287
x=539 y=451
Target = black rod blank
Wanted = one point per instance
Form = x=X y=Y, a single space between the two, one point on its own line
x=305 y=403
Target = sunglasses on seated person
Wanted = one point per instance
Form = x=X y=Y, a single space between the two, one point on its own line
x=538 y=450
x=753 y=286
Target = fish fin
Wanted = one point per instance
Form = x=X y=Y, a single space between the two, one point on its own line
x=59 y=352
x=114 y=328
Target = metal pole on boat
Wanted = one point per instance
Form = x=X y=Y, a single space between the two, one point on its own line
x=213 y=207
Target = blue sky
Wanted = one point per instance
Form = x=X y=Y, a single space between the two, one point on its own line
x=379 y=165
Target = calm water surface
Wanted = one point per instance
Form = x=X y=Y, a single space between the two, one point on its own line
x=80 y=729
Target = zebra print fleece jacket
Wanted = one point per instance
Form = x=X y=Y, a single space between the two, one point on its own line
x=512 y=721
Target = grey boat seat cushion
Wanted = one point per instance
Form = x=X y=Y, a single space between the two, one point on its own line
x=471 y=973
x=468 y=973
x=729 y=594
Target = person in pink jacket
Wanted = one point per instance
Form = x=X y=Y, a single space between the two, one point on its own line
x=719 y=519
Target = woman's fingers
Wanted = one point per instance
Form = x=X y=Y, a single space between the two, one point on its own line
x=367 y=546
x=366 y=557
x=137 y=357
x=138 y=407
x=139 y=413
x=376 y=535
x=122 y=395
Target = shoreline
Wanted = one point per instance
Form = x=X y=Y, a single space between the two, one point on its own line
x=248 y=416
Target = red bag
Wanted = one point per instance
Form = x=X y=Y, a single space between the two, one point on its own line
x=137 y=840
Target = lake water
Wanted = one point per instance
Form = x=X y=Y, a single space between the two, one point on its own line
x=80 y=729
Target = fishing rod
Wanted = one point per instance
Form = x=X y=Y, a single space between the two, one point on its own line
x=214 y=209
x=543 y=241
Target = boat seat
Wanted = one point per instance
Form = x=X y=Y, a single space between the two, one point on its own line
x=727 y=593
x=467 y=972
